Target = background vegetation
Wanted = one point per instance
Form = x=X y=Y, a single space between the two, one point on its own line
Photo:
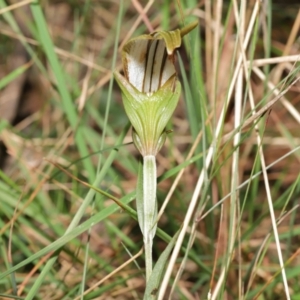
x=228 y=174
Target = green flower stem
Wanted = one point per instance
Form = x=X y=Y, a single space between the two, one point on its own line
x=148 y=244
x=147 y=206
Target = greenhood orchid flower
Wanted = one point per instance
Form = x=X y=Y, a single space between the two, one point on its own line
x=149 y=86
x=150 y=92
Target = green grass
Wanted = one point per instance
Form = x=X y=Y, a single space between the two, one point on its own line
x=69 y=159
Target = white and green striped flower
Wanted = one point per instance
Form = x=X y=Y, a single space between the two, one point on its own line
x=150 y=91
x=150 y=87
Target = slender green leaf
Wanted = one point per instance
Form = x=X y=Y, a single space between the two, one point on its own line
x=158 y=271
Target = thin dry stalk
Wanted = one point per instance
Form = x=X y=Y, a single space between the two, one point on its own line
x=133 y=258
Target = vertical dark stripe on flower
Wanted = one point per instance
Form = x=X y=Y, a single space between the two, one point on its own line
x=152 y=67
x=157 y=69
x=149 y=43
x=162 y=67
x=150 y=64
